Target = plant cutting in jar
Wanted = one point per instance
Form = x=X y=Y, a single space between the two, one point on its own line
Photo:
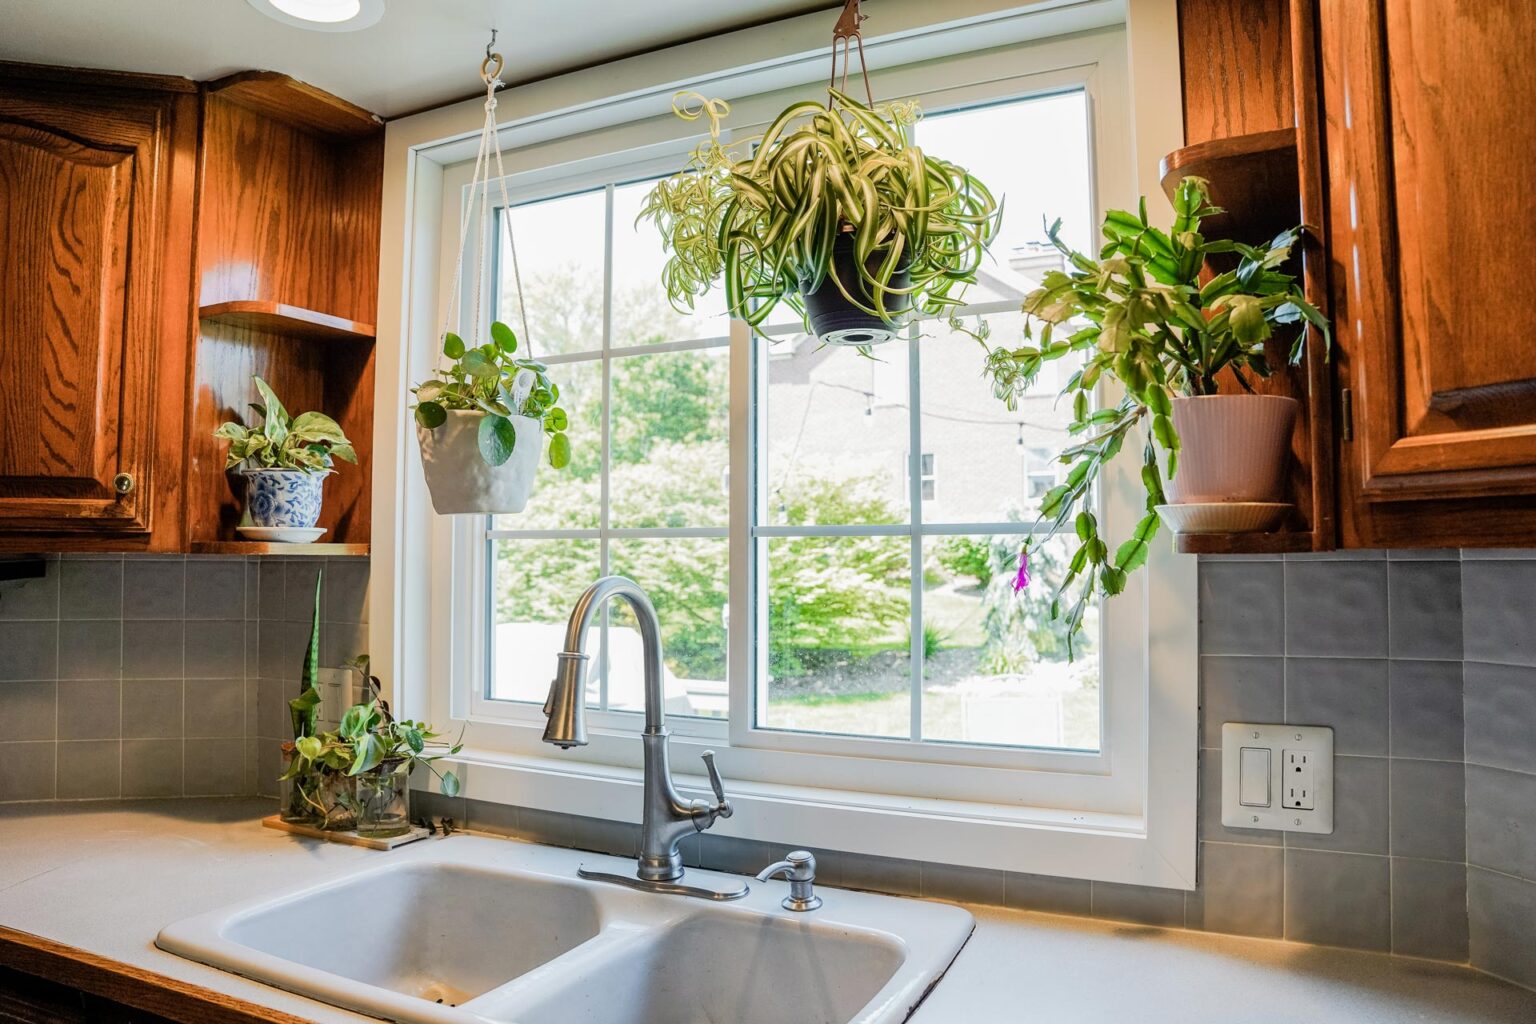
x=284 y=461
x=1139 y=315
x=482 y=420
x=372 y=749
x=834 y=211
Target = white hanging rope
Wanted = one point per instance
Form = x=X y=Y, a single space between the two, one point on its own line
x=488 y=149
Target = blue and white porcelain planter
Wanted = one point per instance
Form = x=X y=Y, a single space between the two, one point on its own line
x=288 y=498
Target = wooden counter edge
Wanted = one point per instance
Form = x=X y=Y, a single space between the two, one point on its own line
x=129 y=985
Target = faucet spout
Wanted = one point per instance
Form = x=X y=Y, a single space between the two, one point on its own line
x=667 y=817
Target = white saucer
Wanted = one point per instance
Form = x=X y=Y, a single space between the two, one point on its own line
x=1224 y=516
x=282 y=534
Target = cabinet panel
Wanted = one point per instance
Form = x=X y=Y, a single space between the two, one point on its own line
x=87 y=291
x=1424 y=152
x=64 y=210
x=1428 y=156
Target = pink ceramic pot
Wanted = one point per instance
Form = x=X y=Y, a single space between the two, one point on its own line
x=1231 y=448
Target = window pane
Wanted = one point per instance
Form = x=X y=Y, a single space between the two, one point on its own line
x=837 y=434
x=688 y=581
x=995 y=667
x=569 y=498
x=1000 y=145
x=642 y=313
x=534 y=587
x=670 y=439
x=560 y=246
x=996 y=463
x=838 y=645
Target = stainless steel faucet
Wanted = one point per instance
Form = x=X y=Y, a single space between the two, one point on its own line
x=668 y=817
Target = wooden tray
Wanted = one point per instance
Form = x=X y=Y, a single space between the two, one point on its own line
x=345 y=838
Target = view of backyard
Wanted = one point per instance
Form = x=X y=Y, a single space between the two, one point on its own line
x=840 y=634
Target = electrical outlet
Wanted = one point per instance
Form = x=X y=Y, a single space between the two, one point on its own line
x=1277 y=777
x=1300 y=792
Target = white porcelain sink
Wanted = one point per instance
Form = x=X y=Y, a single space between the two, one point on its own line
x=474 y=929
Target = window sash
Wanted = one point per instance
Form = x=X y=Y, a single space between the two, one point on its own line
x=937 y=769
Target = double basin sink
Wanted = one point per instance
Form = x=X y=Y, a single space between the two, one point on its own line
x=476 y=929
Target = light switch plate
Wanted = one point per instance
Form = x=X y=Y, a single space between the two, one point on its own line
x=1300 y=782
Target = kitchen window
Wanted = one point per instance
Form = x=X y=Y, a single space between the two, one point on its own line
x=837 y=625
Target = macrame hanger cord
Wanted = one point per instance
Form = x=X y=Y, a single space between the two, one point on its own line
x=487 y=150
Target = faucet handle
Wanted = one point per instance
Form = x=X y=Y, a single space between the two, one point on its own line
x=722 y=805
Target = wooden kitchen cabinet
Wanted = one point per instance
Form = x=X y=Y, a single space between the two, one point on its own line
x=164 y=241
x=1415 y=161
x=97 y=178
x=1430 y=150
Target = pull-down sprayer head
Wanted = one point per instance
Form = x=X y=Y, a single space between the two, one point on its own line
x=566 y=707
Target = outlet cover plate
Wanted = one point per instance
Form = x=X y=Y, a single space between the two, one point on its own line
x=1316 y=741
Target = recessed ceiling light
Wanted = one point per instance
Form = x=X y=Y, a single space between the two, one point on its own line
x=323 y=15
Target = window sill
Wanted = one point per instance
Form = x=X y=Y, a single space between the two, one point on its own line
x=1047 y=841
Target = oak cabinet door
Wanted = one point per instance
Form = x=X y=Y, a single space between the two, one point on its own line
x=84 y=301
x=1431 y=151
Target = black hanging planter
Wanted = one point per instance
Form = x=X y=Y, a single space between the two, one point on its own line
x=836 y=321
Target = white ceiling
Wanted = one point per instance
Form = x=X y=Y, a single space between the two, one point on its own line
x=422 y=54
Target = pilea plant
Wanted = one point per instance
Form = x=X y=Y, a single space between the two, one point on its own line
x=489 y=379
x=833 y=192
x=1140 y=315
x=306 y=442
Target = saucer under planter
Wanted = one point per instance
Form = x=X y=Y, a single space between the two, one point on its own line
x=835 y=320
x=1224 y=516
x=458 y=477
x=283 y=498
x=1232 y=448
x=281 y=534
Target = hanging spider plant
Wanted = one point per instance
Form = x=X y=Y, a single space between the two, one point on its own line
x=834 y=211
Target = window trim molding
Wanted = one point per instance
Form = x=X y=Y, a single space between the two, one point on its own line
x=1156 y=847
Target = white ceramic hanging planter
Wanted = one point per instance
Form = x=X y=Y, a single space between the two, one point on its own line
x=459 y=478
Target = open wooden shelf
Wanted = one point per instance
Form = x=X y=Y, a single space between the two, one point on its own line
x=291 y=321
x=253 y=547
x=287 y=263
x=1283 y=542
x=276 y=96
x=1254 y=178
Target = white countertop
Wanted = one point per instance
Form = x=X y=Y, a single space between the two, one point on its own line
x=107 y=877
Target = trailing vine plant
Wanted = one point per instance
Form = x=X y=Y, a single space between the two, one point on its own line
x=1140 y=316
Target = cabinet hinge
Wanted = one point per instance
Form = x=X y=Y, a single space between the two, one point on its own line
x=1347 y=414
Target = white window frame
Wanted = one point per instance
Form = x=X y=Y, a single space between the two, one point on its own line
x=976 y=807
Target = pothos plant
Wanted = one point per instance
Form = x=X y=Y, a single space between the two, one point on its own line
x=766 y=218
x=489 y=379
x=369 y=739
x=1140 y=315
x=305 y=442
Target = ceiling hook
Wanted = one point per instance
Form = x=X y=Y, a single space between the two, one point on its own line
x=490 y=44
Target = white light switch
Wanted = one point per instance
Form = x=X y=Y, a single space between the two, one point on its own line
x=1277 y=777
x=1253 y=777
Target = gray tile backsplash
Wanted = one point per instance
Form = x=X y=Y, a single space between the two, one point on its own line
x=1424 y=663
x=138 y=676
x=1429 y=778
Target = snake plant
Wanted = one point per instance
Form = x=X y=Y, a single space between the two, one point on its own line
x=767 y=221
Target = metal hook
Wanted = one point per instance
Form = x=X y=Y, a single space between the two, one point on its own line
x=491 y=67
